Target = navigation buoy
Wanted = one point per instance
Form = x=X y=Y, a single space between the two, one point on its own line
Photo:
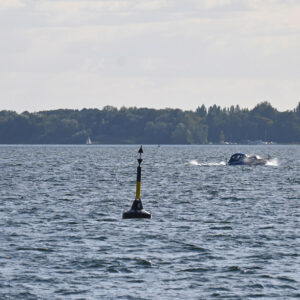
x=137 y=210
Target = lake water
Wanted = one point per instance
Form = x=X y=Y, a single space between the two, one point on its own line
x=217 y=231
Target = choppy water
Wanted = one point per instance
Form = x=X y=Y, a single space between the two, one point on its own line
x=217 y=232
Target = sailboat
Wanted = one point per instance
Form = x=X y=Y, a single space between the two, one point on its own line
x=89 y=141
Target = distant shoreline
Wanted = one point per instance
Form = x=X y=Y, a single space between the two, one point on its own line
x=213 y=125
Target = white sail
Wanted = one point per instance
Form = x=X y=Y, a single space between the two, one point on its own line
x=89 y=141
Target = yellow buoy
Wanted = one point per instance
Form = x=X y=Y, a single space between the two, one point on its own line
x=137 y=210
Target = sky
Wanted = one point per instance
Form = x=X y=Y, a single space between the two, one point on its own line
x=149 y=53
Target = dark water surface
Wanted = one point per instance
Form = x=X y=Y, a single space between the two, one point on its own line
x=217 y=232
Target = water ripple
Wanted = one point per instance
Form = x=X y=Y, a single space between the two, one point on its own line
x=216 y=232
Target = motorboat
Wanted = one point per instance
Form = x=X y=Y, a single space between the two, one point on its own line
x=245 y=159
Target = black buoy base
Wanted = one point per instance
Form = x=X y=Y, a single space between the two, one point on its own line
x=136 y=214
x=137 y=211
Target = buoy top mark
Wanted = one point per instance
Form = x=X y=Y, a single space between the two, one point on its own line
x=140 y=152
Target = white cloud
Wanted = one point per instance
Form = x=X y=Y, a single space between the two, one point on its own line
x=183 y=43
x=11 y=4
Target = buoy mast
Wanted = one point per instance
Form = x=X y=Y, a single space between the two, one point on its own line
x=139 y=175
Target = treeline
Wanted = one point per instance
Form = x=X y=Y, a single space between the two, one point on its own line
x=150 y=126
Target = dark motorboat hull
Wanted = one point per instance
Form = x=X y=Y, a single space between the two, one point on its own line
x=256 y=162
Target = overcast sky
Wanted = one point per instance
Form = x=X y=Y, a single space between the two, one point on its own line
x=148 y=53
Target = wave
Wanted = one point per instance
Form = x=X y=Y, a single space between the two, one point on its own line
x=272 y=162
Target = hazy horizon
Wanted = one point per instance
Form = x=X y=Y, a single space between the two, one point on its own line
x=100 y=108
x=78 y=54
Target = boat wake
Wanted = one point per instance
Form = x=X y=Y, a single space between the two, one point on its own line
x=272 y=162
x=196 y=163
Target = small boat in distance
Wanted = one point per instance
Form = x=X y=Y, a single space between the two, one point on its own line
x=89 y=141
x=245 y=159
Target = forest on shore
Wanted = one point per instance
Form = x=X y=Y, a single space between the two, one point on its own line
x=151 y=126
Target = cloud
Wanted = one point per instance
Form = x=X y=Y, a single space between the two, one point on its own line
x=183 y=43
x=11 y=4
